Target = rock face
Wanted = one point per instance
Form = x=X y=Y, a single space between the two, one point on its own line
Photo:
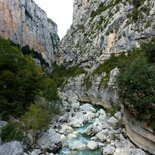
x=24 y=23
x=102 y=27
x=97 y=94
x=50 y=141
x=139 y=134
x=11 y=148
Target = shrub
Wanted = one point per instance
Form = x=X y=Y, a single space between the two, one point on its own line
x=149 y=50
x=37 y=117
x=49 y=89
x=137 y=89
x=12 y=131
x=60 y=73
x=87 y=82
x=19 y=80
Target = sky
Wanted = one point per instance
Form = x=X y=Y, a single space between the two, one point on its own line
x=60 y=11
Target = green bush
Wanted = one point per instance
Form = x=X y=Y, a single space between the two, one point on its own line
x=37 y=117
x=19 y=80
x=49 y=89
x=87 y=82
x=137 y=89
x=12 y=131
x=149 y=50
x=60 y=73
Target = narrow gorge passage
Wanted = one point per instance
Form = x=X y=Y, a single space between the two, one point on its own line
x=90 y=130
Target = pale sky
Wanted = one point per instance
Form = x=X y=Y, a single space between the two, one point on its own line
x=60 y=11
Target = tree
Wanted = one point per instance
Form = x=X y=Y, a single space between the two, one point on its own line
x=37 y=117
x=137 y=89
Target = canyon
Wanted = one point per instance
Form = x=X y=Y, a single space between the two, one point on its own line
x=100 y=28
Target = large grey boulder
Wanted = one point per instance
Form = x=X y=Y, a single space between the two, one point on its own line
x=92 y=145
x=112 y=121
x=65 y=129
x=50 y=141
x=64 y=118
x=77 y=145
x=87 y=107
x=118 y=115
x=102 y=135
x=11 y=148
x=77 y=120
x=91 y=130
x=75 y=105
x=108 y=150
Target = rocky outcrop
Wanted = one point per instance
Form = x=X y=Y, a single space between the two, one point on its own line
x=50 y=141
x=97 y=94
x=11 y=148
x=24 y=23
x=139 y=134
x=95 y=134
x=102 y=27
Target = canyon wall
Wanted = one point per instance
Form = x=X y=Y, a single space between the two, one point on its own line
x=103 y=27
x=25 y=23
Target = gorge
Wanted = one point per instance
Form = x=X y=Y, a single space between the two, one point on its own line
x=100 y=81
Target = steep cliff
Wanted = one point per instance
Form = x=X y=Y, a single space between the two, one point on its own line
x=24 y=23
x=102 y=27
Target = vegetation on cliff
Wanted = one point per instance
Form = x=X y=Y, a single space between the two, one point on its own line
x=136 y=83
x=21 y=81
x=26 y=91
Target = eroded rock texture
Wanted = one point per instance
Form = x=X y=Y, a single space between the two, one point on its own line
x=24 y=23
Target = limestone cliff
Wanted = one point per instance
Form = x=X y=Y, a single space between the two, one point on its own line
x=24 y=23
x=139 y=133
x=102 y=27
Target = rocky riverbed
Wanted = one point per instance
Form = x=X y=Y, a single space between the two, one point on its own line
x=80 y=130
x=86 y=130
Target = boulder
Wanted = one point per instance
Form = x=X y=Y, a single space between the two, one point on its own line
x=64 y=118
x=92 y=145
x=102 y=115
x=75 y=105
x=91 y=130
x=112 y=121
x=77 y=145
x=77 y=120
x=50 y=141
x=65 y=129
x=108 y=150
x=89 y=116
x=11 y=148
x=87 y=107
x=63 y=137
x=102 y=135
x=118 y=115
